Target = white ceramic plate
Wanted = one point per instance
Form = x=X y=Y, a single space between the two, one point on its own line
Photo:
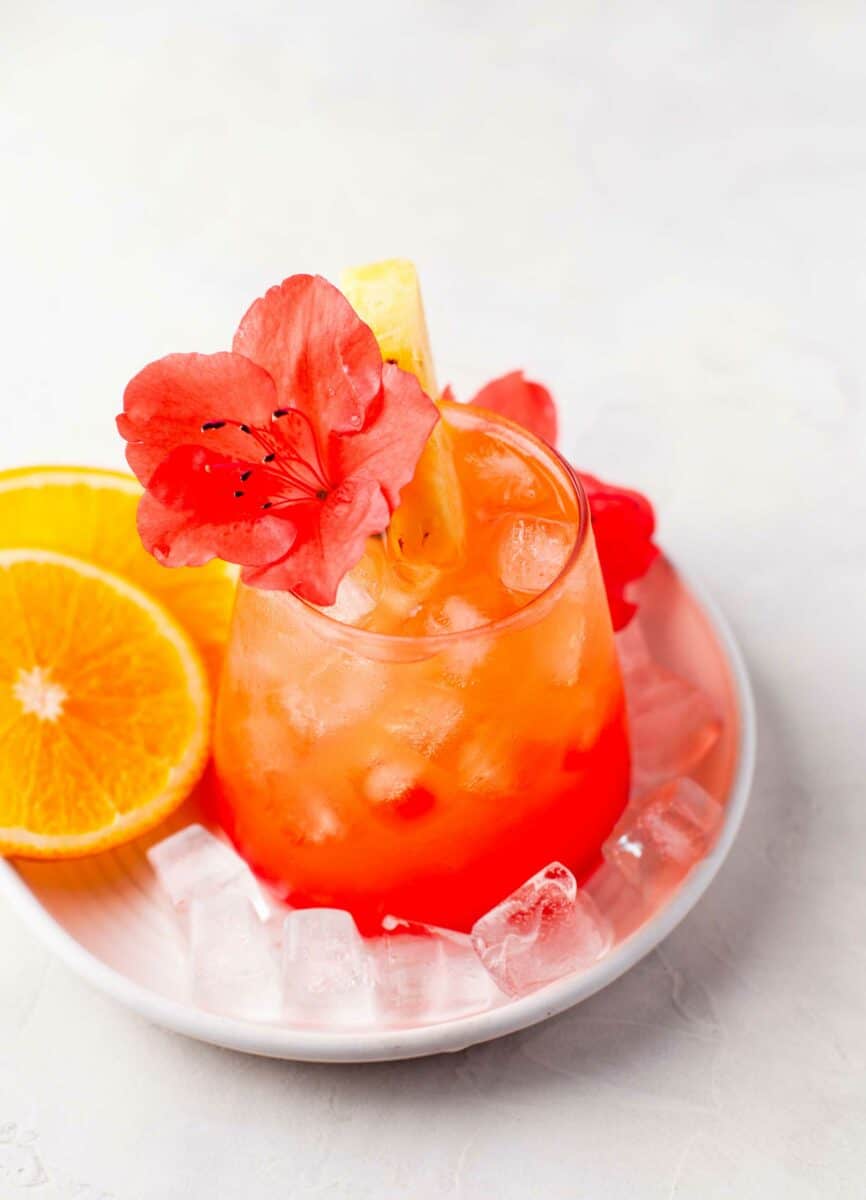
x=104 y=917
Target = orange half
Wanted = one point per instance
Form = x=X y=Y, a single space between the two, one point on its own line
x=90 y=513
x=104 y=708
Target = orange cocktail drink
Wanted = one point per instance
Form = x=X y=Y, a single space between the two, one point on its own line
x=446 y=729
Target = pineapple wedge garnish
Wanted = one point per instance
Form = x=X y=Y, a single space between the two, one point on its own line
x=429 y=525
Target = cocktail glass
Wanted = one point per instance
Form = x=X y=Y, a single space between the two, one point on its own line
x=427 y=775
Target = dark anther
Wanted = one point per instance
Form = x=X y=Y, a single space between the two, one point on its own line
x=245 y=476
x=267 y=504
x=279 y=412
x=269 y=458
x=237 y=495
x=321 y=494
x=209 y=425
x=391 y=361
x=245 y=429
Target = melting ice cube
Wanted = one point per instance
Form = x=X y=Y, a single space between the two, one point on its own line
x=663 y=834
x=469 y=988
x=326 y=973
x=411 y=970
x=353 y=602
x=485 y=762
x=392 y=779
x=532 y=552
x=541 y=932
x=193 y=864
x=632 y=648
x=425 y=726
x=455 y=615
x=460 y=659
x=425 y=972
x=673 y=724
x=234 y=966
x=509 y=477
x=332 y=694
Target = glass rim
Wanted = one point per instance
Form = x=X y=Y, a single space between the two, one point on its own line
x=434 y=642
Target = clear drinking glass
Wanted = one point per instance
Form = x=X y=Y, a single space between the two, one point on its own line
x=426 y=776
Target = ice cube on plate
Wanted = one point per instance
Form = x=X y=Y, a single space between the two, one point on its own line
x=193 y=864
x=533 y=551
x=430 y=974
x=327 y=976
x=625 y=907
x=673 y=724
x=663 y=834
x=468 y=987
x=234 y=966
x=632 y=648
x=411 y=971
x=541 y=932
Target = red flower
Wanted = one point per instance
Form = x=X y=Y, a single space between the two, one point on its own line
x=623 y=521
x=284 y=455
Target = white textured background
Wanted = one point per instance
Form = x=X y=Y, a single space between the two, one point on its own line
x=659 y=210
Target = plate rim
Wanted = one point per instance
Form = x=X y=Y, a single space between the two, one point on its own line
x=303 y=1044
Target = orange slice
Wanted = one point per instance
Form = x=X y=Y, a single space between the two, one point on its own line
x=429 y=526
x=90 y=513
x=104 y=708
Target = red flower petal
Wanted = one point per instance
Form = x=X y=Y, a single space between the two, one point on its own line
x=623 y=523
x=528 y=404
x=389 y=447
x=322 y=357
x=167 y=403
x=331 y=540
x=183 y=538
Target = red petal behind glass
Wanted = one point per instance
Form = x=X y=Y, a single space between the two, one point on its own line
x=623 y=523
x=528 y=404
